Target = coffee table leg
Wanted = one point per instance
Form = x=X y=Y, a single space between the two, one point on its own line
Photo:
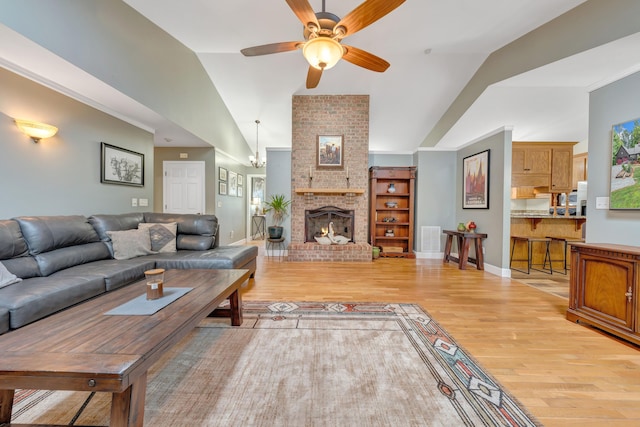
x=235 y=301
x=127 y=408
x=6 y=405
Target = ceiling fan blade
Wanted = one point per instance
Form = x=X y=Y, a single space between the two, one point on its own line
x=313 y=77
x=267 y=49
x=304 y=12
x=364 y=59
x=366 y=14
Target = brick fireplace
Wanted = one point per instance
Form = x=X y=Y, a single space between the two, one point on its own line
x=344 y=188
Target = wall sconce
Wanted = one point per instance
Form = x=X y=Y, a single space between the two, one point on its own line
x=35 y=130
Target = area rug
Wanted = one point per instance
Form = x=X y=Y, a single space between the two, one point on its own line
x=306 y=364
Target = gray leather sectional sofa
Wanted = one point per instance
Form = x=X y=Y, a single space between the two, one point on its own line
x=64 y=260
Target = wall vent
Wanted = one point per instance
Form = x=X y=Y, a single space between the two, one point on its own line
x=430 y=241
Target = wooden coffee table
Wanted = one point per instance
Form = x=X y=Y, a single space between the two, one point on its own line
x=83 y=349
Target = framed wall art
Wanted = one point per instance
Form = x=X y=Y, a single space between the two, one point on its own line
x=625 y=165
x=239 y=191
x=222 y=174
x=240 y=180
x=222 y=188
x=330 y=151
x=233 y=184
x=121 y=166
x=475 y=178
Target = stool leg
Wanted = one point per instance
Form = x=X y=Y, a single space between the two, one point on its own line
x=529 y=252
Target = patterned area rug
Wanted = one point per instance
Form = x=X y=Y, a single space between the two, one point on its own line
x=306 y=364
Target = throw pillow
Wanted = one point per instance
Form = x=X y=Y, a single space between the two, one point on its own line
x=163 y=235
x=6 y=277
x=130 y=243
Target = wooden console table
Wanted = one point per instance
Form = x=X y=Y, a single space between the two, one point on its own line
x=464 y=240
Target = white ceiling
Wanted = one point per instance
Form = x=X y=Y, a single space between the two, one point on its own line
x=550 y=103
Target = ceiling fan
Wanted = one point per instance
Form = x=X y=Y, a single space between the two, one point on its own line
x=323 y=33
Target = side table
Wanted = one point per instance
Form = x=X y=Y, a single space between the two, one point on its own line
x=258 y=227
x=275 y=244
x=464 y=239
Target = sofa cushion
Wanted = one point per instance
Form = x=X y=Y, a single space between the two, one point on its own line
x=104 y=223
x=116 y=273
x=57 y=260
x=12 y=243
x=163 y=236
x=47 y=233
x=38 y=297
x=6 y=277
x=223 y=257
x=24 y=267
x=195 y=232
x=130 y=243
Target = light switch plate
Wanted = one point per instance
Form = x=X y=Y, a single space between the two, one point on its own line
x=143 y=202
x=602 y=203
x=134 y=202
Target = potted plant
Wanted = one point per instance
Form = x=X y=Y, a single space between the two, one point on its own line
x=278 y=206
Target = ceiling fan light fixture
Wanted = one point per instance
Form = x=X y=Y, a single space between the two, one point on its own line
x=322 y=52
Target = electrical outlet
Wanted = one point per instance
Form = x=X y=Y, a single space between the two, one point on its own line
x=134 y=202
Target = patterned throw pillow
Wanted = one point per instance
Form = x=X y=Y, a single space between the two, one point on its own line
x=163 y=235
x=130 y=243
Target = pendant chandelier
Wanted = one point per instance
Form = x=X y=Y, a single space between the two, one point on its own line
x=255 y=160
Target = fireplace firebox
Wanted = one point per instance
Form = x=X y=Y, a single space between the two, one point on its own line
x=316 y=222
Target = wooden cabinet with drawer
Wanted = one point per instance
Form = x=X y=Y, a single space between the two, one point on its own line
x=604 y=285
x=542 y=164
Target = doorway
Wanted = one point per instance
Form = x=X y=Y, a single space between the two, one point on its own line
x=183 y=187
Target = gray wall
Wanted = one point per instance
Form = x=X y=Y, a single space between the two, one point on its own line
x=111 y=41
x=435 y=200
x=279 y=182
x=494 y=221
x=609 y=105
x=61 y=175
x=231 y=210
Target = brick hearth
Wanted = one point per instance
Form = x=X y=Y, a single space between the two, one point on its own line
x=360 y=252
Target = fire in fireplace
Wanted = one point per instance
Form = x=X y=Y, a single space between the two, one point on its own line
x=316 y=222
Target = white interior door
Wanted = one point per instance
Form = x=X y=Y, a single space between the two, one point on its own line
x=183 y=187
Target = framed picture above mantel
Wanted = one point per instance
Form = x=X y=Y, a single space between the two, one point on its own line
x=475 y=178
x=329 y=152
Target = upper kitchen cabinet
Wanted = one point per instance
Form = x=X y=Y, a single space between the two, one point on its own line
x=579 y=169
x=561 y=168
x=542 y=164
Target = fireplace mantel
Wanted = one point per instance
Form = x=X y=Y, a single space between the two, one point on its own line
x=310 y=191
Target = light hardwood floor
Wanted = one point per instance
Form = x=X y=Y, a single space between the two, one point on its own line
x=565 y=374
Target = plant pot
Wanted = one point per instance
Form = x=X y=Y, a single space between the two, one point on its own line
x=375 y=252
x=275 y=231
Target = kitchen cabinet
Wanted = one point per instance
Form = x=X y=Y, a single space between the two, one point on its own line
x=391 y=220
x=542 y=164
x=579 y=169
x=561 y=169
x=604 y=285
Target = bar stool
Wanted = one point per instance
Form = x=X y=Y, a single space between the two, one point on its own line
x=566 y=241
x=529 y=241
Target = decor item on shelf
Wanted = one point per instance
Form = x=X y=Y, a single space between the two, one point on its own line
x=278 y=205
x=389 y=233
x=392 y=188
x=462 y=227
x=391 y=204
x=36 y=130
x=255 y=160
x=389 y=219
x=471 y=226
